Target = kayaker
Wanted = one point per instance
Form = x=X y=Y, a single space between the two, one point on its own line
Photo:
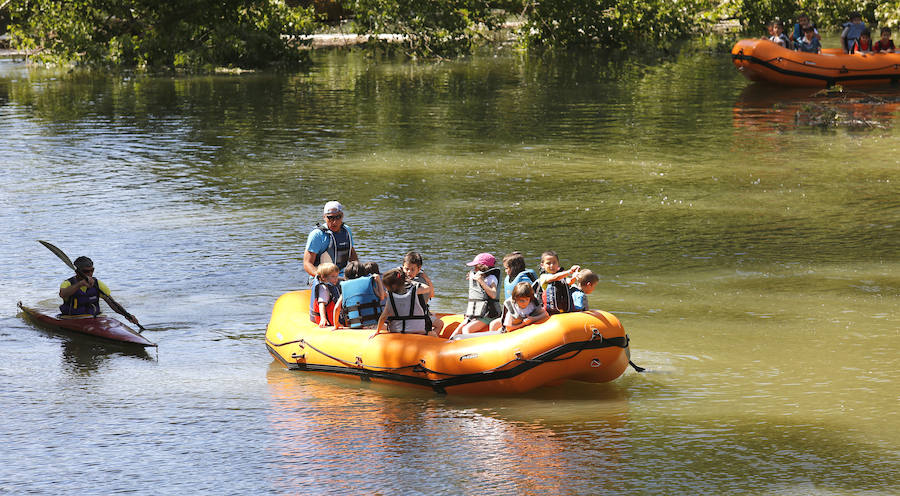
x=81 y=293
x=332 y=242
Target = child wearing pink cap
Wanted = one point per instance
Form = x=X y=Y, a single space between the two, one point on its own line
x=484 y=304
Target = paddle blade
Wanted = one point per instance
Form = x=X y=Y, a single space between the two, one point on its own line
x=59 y=253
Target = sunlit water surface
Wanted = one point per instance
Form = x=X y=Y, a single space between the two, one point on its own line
x=752 y=258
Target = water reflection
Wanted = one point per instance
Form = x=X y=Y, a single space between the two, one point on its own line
x=391 y=437
x=770 y=108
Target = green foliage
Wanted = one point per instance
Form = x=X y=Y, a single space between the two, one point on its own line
x=152 y=34
x=888 y=14
x=429 y=28
x=755 y=14
x=611 y=23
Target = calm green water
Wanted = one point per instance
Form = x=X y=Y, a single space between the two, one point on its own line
x=752 y=258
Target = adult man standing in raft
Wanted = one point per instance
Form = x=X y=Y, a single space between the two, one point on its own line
x=332 y=242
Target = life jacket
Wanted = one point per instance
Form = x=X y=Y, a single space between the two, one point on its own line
x=526 y=275
x=339 y=245
x=360 y=306
x=573 y=292
x=85 y=301
x=480 y=304
x=859 y=46
x=508 y=307
x=557 y=298
x=334 y=292
x=410 y=315
x=853 y=33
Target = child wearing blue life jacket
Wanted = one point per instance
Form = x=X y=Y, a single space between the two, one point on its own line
x=585 y=282
x=412 y=267
x=522 y=309
x=514 y=264
x=552 y=287
x=324 y=295
x=852 y=31
x=361 y=295
x=809 y=43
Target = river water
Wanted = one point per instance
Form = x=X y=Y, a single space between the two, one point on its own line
x=752 y=256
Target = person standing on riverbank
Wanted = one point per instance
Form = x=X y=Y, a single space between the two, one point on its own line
x=332 y=242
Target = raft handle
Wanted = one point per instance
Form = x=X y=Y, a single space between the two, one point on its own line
x=298 y=356
x=596 y=334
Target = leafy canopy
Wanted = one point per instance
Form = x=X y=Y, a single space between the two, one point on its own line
x=157 y=34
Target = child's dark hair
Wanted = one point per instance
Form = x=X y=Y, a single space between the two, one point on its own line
x=515 y=262
x=393 y=280
x=886 y=30
x=808 y=28
x=353 y=270
x=866 y=33
x=414 y=258
x=371 y=268
x=523 y=290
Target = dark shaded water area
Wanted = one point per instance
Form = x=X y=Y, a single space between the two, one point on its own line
x=751 y=253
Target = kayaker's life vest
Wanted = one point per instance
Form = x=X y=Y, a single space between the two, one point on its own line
x=556 y=299
x=85 y=301
x=410 y=315
x=334 y=292
x=360 y=306
x=526 y=275
x=480 y=304
x=339 y=245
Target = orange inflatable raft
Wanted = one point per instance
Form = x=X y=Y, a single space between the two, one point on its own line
x=762 y=60
x=583 y=346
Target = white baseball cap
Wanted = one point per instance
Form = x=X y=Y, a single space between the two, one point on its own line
x=333 y=207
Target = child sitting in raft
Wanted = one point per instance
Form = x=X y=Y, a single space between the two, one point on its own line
x=483 y=305
x=809 y=43
x=412 y=267
x=797 y=33
x=863 y=44
x=514 y=264
x=522 y=309
x=777 y=36
x=885 y=44
x=585 y=282
x=359 y=304
x=552 y=286
x=405 y=309
x=324 y=295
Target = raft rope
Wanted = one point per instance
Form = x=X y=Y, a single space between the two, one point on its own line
x=451 y=379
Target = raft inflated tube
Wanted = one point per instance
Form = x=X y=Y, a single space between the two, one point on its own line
x=586 y=346
x=763 y=60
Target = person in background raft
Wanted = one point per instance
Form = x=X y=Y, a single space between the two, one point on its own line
x=332 y=242
x=81 y=294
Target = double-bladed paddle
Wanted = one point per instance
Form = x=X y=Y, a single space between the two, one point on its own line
x=119 y=309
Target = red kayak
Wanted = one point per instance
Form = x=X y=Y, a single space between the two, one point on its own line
x=100 y=326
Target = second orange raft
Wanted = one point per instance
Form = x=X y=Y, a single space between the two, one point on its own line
x=584 y=346
x=762 y=60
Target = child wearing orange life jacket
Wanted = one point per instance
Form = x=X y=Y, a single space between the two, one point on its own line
x=324 y=295
x=863 y=44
